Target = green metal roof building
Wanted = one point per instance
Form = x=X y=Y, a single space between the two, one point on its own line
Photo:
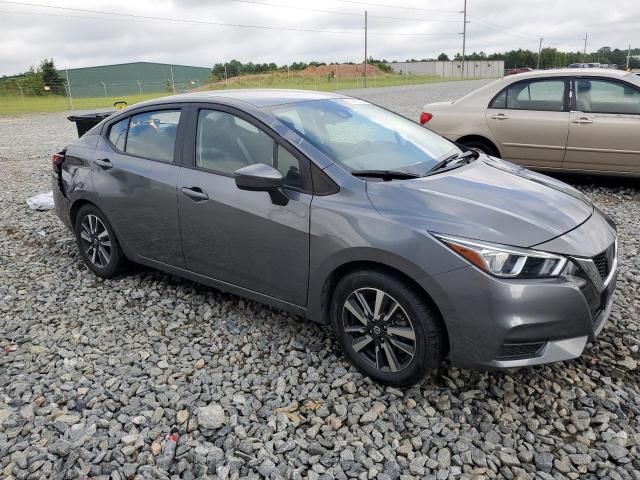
x=133 y=78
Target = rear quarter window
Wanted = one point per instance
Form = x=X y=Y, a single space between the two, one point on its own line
x=118 y=133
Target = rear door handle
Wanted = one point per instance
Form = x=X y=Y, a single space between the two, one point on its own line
x=500 y=116
x=195 y=193
x=104 y=163
x=582 y=120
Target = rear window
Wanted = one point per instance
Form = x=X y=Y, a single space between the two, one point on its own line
x=542 y=95
x=153 y=135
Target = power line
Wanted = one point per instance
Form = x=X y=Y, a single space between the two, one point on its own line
x=338 y=12
x=135 y=17
x=500 y=28
x=400 y=7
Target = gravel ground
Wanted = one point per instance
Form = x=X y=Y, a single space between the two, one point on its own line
x=408 y=101
x=95 y=375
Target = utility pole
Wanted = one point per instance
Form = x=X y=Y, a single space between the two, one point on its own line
x=628 y=56
x=173 y=84
x=69 y=87
x=539 y=51
x=365 y=49
x=584 y=53
x=464 y=34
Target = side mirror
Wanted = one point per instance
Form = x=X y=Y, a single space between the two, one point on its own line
x=262 y=178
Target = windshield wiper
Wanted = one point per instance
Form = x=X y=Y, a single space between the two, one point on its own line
x=468 y=155
x=385 y=174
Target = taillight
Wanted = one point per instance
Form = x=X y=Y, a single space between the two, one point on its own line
x=425 y=117
x=56 y=161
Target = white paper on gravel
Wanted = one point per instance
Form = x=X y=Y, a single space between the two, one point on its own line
x=43 y=201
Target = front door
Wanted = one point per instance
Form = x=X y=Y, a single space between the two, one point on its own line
x=604 y=132
x=135 y=173
x=240 y=237
x=530 y=121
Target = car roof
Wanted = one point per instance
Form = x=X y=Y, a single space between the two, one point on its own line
x=256 y=97
x=559 y=72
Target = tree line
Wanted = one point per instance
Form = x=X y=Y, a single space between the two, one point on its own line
x=551 y=57
x=39 y=80
x=45 y=79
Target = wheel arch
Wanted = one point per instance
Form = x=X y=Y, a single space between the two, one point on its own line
x=75 y=208
x=344 y=269
x=483 y=139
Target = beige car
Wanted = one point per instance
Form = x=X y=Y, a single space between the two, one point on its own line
x=573 y=120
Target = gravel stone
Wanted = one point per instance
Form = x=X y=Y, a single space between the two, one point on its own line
x=544 y=461
x=211 y=416
x=254 y=392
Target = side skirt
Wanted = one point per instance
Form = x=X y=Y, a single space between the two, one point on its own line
x=224 y=286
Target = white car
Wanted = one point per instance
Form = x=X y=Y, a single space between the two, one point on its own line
x=575 y=120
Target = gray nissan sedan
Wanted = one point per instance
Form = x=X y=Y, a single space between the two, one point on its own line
x=411 y=247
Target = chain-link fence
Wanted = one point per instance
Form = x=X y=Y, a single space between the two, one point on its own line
x=17 y=98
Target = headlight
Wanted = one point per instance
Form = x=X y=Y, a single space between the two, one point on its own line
x=505 y=261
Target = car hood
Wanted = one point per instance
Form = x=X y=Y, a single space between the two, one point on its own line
x=488 y=200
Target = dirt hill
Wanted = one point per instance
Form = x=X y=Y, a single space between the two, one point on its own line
x=342 y=70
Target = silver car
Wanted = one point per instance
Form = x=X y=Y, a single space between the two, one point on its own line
x=336 y=210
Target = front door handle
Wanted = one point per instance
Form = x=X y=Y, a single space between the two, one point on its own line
x=582 y=120
x=104 y=163
x=500 y=116
x=195 y=193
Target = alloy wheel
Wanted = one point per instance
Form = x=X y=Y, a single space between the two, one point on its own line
x=379 y=329
x=95 y=239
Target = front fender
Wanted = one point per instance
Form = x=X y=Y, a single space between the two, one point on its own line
x=351 y=258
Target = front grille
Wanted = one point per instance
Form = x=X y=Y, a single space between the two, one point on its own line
x=602 y=264
x=594 y=299
x=513 y=351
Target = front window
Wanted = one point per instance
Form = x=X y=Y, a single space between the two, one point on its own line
x=362 y=136
x=226 y=143
x=603 y=96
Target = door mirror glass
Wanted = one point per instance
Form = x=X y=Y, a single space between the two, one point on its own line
x=262 y=178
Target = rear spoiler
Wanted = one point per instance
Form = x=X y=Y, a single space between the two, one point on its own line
x=86 y=122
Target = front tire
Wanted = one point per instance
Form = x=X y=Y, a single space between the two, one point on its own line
x=388 y=331
x=97 y=242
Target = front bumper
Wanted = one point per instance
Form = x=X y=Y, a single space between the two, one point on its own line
x=503 y=323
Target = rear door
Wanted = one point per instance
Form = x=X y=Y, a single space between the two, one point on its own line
x=241 y=237
x=530 y=121
x=134 y=172
x=604 y=131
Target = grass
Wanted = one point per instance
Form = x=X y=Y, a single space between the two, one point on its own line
x=11 y=105
x=15 y=105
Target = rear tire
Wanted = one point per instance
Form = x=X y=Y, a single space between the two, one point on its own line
x=388 y=331
x=482 y=145
x=97 y=242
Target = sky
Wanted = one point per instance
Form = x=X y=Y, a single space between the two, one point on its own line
x=79 y=33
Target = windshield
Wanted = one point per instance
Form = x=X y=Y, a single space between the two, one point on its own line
x=362 y=136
